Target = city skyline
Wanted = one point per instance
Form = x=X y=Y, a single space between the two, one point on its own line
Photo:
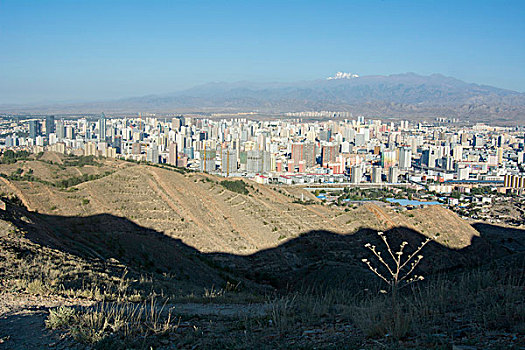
x=81 y=51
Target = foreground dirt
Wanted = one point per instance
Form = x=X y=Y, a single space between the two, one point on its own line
x=22 y=317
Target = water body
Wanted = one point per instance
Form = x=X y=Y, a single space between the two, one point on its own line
x=405 y=202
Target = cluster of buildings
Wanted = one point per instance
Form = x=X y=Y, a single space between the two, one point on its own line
x=440 y=154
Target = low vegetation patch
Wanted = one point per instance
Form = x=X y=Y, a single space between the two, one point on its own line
x=114 y=324
x=10 y=156
x=81 y=161
x=237 y=186
x=73 y=181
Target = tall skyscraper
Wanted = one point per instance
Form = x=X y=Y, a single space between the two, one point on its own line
x=60 y=130
x=172 y=155
x=405 y=158
x=355 y=176
x=102 y=127
x=388 y=158
x=50 y=124
x=152 y=154
x=208 y=160
x=34 y=129
x=229 y=161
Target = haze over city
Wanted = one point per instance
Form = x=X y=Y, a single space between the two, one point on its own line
x=98 y=50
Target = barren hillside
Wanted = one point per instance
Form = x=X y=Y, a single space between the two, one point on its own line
x=204 y=214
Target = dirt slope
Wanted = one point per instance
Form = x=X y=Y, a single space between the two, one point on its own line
x=203 y=214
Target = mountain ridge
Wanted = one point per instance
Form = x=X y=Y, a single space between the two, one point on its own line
x=396 y=95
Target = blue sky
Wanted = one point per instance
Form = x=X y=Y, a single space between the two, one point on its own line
x=86 y=50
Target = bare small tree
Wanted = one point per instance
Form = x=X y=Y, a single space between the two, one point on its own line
x=399 y=273
x=399 y=270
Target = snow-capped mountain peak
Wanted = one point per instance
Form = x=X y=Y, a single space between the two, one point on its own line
x=342 y=75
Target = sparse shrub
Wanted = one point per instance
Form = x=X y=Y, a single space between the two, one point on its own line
x=375 y=319
x=213 y=293
x=237 y=186
x=60 y=317
x=282 y=313
x=37 y=287
x=80 y=161
x=93 y=325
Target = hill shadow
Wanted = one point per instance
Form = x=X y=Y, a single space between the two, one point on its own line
x=510 y=238
x=314 y=258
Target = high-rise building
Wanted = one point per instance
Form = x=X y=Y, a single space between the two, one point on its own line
x=229 y=161
x=393 y=175
x=152 y=154
x=177 y=122
x=521 y=157
x=70 y=133
x=50 y=124
x=388 y=158
x=136 y=148
x=90 y=149
x=405 y=158
x=428 y=158
x=479 y=141
x=500 y=155
x=60 y=130
x=448 y=163
x=102 y=127
x=304 y=152
x=34 y=129
x=329 y=154
x=10 y=141
x=514 y=181
x=360 y=140
x=208 y=160
x=258 y=162
x=457 y=153
x=356 y=174
x=173 y=154
x=463 y=173
x=501 y=140
x=375 y=176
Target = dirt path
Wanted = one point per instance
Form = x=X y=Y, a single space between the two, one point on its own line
x=22 y=321
x=228 y=310
x=381 y=216
x=18 y=193
x=22 y=318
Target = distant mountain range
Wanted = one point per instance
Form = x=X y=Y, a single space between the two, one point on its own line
x=400 y=95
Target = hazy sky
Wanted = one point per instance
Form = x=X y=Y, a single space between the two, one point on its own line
x=85 y=50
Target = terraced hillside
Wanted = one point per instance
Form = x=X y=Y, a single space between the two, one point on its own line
x=202 y=212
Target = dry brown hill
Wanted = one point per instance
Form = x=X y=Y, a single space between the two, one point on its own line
x=197 y=209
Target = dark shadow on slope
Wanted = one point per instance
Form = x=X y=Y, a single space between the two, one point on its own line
x=323 y=258
x=509 y=238
x=316 y=258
